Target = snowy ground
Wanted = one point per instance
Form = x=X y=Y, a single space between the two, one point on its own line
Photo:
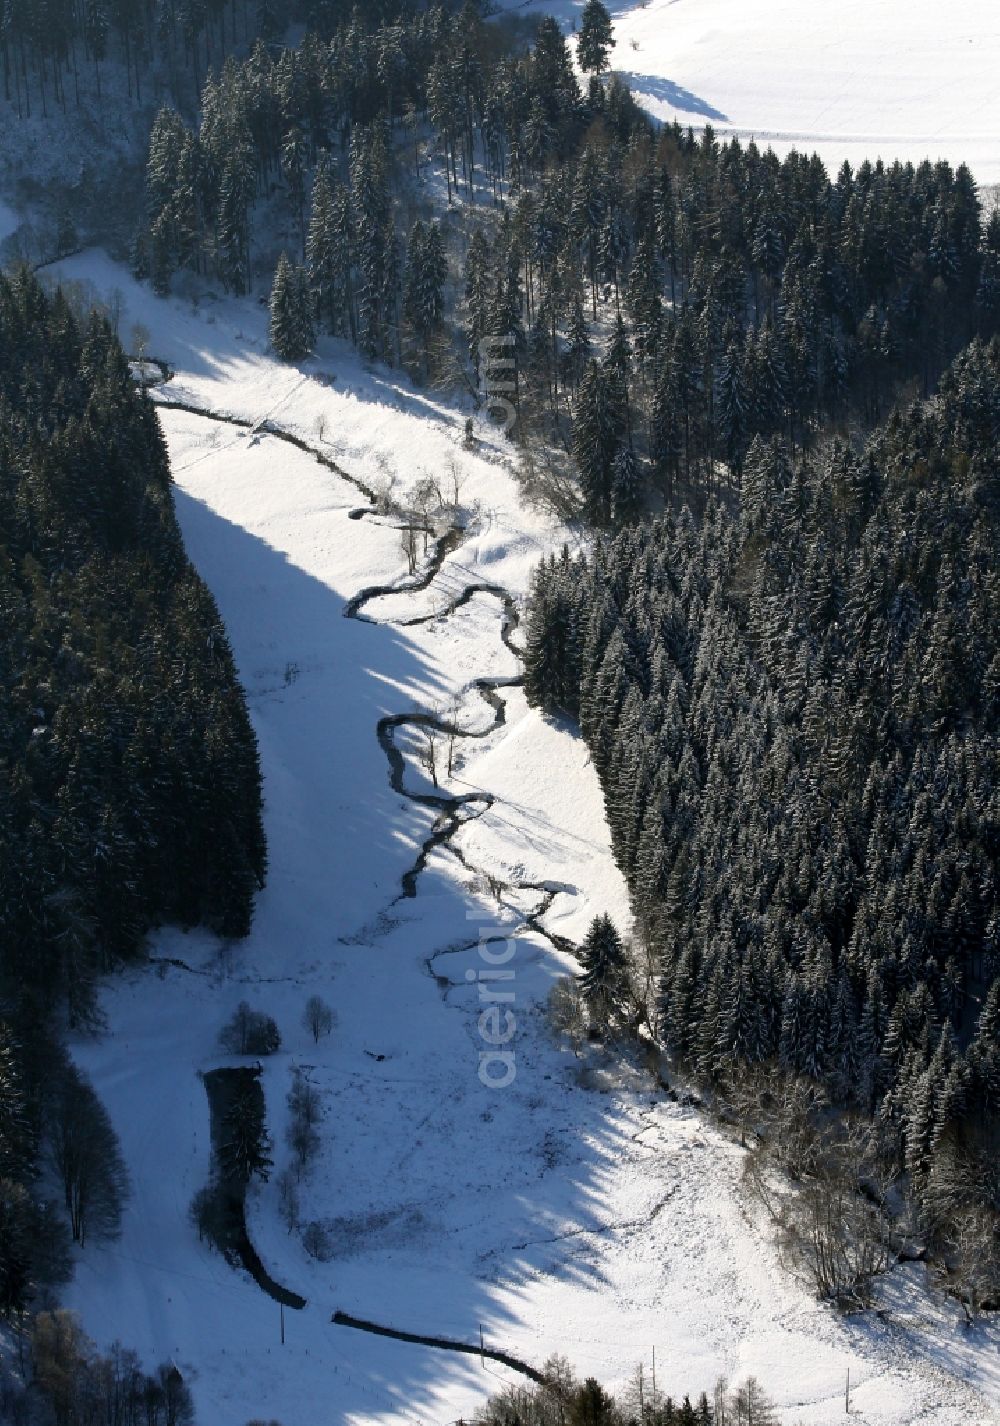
x=851 y=80
x=570 y=1211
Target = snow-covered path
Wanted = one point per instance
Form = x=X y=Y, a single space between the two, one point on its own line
x=571 y=1210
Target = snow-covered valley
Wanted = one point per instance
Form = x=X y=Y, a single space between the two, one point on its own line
x=538 y=1198
x=576 y=1209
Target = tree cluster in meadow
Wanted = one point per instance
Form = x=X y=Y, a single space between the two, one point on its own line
x=63 y=1180
x=793 y=710
x=73 y=1384
x=561 y=1399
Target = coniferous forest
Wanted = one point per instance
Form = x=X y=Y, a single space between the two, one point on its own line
x=792 y=707
x=666 y=297
x=130 y=785
x=769 y=399
x=130 y=768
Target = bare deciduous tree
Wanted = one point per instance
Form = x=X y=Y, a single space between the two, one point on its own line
x=451 y=721
x=749 y=1405
x=84 y=1152
x=426 y=502
x=408 y=538
x=454 y=481
x=318 y=1017
x=547 y=480
x=305 y=1111
x=566 y=1013
x=140 y=340
x=833 y=1223
x=975 y=1280
x=429 y=753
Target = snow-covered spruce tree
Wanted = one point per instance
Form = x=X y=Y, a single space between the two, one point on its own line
x=232 y=223
x=605 y=970
x=165 y=143
x=644 y=302
x=478 y=293
x=291 y=326
x=587 y=214
x=578 y=345
x=553 y=636
x=423 y=287
x=161 y=255
x=328 y=254
x=598 y=424
x=731 y=406
x=294 y=158
x=596 y=38
x=245 y=1149
x=375 y=243
x=626 y=486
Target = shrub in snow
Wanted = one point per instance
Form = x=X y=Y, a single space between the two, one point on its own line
x=316 y=1241
x=250 y=1032
x=211 y=1214
x=288 y=1199
x=565 y=1011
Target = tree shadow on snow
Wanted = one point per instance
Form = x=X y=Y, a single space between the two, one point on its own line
x=673 y=94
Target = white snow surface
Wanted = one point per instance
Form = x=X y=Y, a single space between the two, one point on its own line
x=575 y=1210
x=854 y=80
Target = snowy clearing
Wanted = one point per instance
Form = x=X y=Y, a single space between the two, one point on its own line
x=570 y=1211
x=891 y=79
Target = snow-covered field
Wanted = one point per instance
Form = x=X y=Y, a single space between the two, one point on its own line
x=572 y=1210
x=855 y=79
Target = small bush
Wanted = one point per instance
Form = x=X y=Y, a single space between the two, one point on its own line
x=250 y=1032
x=316 y=1241
x=566 y=1012
x=215 y=1215
x=288 y=1199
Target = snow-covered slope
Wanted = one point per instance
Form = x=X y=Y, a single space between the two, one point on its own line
x=572 y=1210
x=850 y=79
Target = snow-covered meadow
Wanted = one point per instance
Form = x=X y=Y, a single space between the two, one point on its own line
x=855 y=80
x=574 y=1210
